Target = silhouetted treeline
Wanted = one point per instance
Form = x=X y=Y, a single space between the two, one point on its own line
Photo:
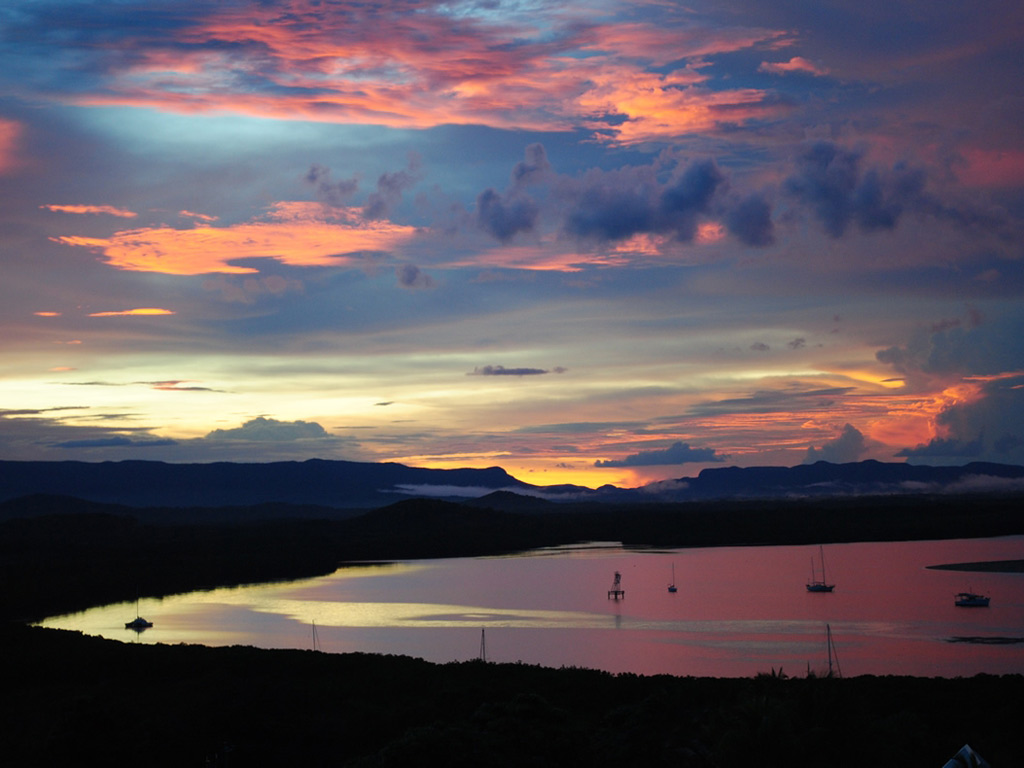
x=76 y=700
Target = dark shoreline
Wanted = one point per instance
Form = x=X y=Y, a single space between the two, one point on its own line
x=71 y=698
x=987 y=566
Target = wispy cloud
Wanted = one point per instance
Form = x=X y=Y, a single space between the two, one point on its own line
x=109 y=210
x=500 y=370
x=144 y=311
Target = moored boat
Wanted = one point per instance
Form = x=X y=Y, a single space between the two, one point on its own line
x=971 y=600
x=816 y=584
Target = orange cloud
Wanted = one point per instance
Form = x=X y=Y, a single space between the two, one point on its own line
x=47 y=314
x=293 y=233
x=108 y=209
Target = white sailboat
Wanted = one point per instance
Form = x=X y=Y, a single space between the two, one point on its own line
x=816 y=584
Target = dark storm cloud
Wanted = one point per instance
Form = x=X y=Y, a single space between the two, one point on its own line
x=750 y=220
x=677 y=453
x=984 y=348
x=946 y=449
x=832 y=182
x=505 y=216
x=690 y=195
x=990 y=427
x=500 y=370
x=616 y=205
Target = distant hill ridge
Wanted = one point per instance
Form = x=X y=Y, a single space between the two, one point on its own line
x=362 y=485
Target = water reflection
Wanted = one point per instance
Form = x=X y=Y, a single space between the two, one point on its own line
x=738 y=610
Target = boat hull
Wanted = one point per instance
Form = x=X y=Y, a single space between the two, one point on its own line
x=820 y=587
x=970 y=600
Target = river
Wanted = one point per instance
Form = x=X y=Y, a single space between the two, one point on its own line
x=737 y=611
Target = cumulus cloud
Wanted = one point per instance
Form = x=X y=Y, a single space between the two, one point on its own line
x=677 y=453
x=849 y=446
x=262 y=429
x=616 y=205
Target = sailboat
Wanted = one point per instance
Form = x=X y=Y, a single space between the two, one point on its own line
x=138 y=623
x=672 y=584
x=816 y=585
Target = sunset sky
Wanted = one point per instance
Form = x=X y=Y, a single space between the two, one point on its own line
x=591 y=242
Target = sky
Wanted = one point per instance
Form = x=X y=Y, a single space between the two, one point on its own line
x=589 y=242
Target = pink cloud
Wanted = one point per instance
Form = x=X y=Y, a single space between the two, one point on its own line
x=991 y=168
x=417 y=70
x=795 y=64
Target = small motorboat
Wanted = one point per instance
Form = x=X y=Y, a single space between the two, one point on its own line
x=971 y=600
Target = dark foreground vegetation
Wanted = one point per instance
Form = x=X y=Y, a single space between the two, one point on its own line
x=75 y=700
x=69 y=699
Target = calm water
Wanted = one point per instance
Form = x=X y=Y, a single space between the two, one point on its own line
x=738 y=611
